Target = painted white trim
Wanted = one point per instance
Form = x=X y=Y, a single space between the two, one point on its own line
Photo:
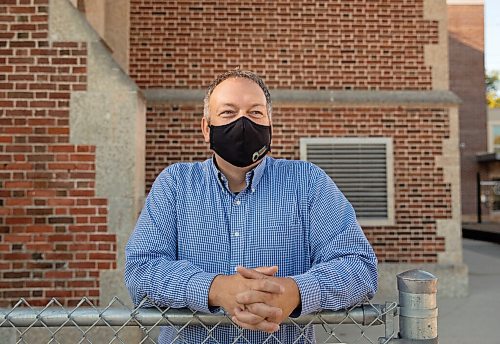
x=465 y=2
x=491 y=124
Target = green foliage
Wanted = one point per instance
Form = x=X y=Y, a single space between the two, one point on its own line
x=492 y=89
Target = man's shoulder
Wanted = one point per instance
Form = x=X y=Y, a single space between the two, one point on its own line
x=183 y=170
x=293 y=166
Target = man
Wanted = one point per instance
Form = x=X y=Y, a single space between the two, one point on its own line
x=261 y=238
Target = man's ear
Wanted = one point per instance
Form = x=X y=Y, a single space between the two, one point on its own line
x=205 y=129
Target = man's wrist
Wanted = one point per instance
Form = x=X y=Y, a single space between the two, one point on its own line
x=215 y=291
x=292 y=291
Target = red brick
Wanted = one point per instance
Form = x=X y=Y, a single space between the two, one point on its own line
x=58 y=293
x=16 y=238
x=98 y=201
x=59 y=256
x=102 y=237
x=61 y=238
x=82 y=247
x=61 y=201
x=21 y=10
x=82 y=284
x=85 y=148
x=102 y=256
x=82 y=228
x=16 y=256
x=82 y=157
x=18 y=220
x=38 y=284
x=87 y=265
x=39 y=229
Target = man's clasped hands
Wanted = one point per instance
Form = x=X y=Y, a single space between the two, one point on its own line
x=255 y=298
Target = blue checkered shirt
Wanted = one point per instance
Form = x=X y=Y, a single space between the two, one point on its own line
x=291 y=214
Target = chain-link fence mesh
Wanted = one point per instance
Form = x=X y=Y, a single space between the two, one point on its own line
x=86 y=323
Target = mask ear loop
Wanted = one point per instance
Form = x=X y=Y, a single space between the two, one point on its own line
x=270 y=135
x=210 y=136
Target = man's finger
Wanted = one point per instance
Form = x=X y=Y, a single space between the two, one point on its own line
x=263 y=282
x=267 y=285
x=247 y=317
x=273 y=314
x=250 y=273
x=253 y=296
x=267 y=270
x=264 y=325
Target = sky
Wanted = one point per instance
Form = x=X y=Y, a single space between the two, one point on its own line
x=492 y=35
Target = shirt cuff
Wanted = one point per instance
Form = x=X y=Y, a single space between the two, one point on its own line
x=197 y=290
x=310 y=292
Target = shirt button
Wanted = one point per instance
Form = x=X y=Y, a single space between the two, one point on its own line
x=237 y=234
x=238 y=202
x=253 y=190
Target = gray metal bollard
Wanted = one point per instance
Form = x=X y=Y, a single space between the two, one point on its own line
x=418 y=307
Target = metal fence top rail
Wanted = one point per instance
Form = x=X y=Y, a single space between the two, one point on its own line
x=366 y=315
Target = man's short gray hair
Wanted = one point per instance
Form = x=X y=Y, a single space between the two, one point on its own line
x=237 y=73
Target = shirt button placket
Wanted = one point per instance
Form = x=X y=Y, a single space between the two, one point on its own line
x=237 y=225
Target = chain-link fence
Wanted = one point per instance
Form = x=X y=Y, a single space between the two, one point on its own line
x=363 y=323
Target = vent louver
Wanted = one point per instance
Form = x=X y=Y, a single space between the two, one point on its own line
x=360 y=167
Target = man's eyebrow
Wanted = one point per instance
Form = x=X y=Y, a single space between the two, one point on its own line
x=228 y=104
x=231 y=105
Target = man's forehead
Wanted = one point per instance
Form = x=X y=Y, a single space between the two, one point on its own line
x=239 y=82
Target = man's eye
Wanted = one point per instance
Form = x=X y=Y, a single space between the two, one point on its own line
x=227 y=113
x=257 y=114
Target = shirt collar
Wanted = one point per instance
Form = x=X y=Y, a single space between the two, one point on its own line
x=259 y=172
x=252 y=177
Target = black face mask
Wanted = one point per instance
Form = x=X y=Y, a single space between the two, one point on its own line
x=241 y=142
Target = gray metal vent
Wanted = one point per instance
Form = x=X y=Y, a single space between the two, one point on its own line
x=361 y=168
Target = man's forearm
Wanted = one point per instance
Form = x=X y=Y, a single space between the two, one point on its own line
x=167 y=283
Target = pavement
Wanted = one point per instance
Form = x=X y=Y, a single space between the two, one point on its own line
x=475 y=318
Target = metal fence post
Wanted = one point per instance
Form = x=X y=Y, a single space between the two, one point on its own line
x=418 y=307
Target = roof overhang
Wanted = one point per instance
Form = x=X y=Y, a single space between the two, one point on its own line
x=487 y=157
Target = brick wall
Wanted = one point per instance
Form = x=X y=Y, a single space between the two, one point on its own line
x=53 y=228
x=333 y=45
x=422 y=195
x=329 y=44
x=466 y=59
